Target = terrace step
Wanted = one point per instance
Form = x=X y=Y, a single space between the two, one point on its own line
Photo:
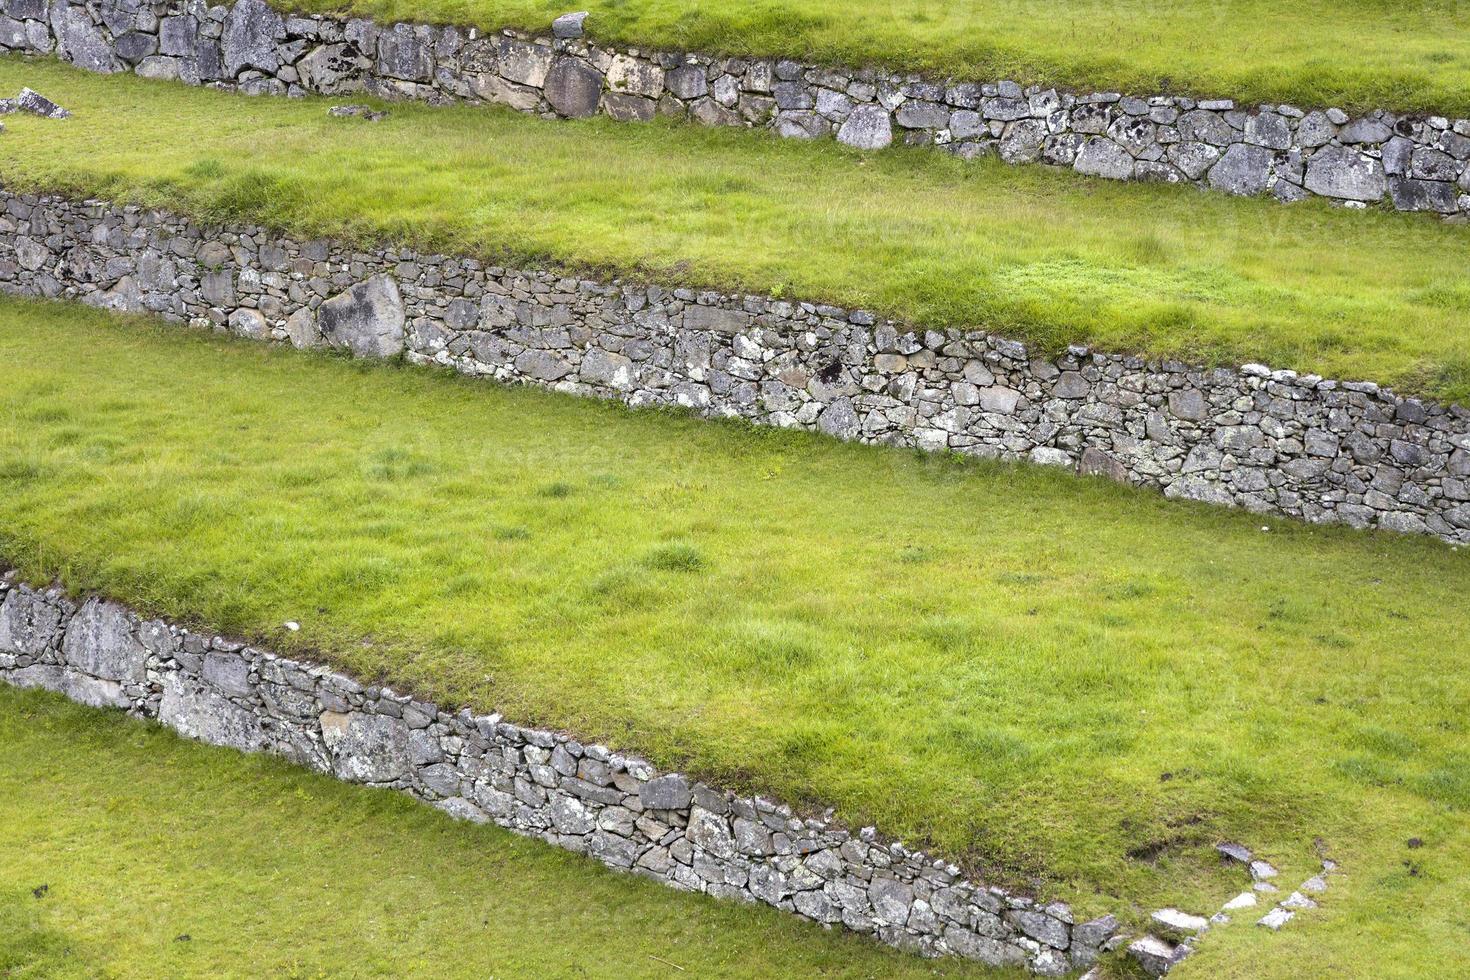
x=612 y=807
x=1270 y=441
x=1410 y=162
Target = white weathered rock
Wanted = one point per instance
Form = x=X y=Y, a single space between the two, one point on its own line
x=1177 y=925
x=195 y=711
x=1275 y=919
x=868 y=127
x=101 y=640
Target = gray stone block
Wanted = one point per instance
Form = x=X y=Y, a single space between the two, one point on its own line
x=366 y=319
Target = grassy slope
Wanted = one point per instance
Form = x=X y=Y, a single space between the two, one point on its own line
x=1041 y=672
x=1026 y=251
x=1367 y=53
x=142 y=838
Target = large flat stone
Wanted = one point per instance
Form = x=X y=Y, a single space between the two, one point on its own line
x=93 y=691
x=573 y=87
x=193 y=710
x=405 y=52
x=28 y=624
x=251 y=31
x=82 y=43
x=1101 y=157
x=1243 y=169
x=868 y=127
x=366 y=748
x=1336 y=171
x=367 y=319
x=101 y=640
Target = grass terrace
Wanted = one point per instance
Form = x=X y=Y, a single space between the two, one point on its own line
x=1048 y=256
x=155 y=856
x=1070 y=685
x=1353 y=53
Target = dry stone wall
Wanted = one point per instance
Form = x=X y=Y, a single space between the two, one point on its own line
x=586 y=798
x=1411 y=162
x=1270 y=441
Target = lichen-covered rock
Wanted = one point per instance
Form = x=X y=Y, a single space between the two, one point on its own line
x=197 y=712
x=252 y=29
x=569 y=25
x=102 y=640
x=28 y=624
x=670 y=792
x=29 y=100
x=1155 y=956
x=573 y=87
x=868 y=127
x=404 y=52
x=367 y=319
x=1336 y=171
x=81 y=42
x=1101 y=157
x=366 y=748
x=1410 y=194
x=1243 y=170
x=95 y=692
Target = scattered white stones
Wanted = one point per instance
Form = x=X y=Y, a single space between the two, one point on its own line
x=1296 y=900
x=1178 y=925
x=1155 y=955
x=1232 y=851
x=1178 y=932
x=1276 y=918
x=1262 y=870
x=1244 y=900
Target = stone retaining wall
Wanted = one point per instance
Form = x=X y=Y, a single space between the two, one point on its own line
x=1271 y=441
x=586 y=798
x=1414 y=162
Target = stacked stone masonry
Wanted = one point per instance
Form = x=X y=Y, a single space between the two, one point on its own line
x=586 y=798
x=1414 y=162
x=1269 y=441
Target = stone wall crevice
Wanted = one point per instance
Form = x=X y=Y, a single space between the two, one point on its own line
x=1270 y=441
x=1412 y=162
x=613 y=807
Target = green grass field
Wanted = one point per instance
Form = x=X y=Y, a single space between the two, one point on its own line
x=1354 y=53
x=164 y=858
x=1028 y=252
x=1068 y=684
